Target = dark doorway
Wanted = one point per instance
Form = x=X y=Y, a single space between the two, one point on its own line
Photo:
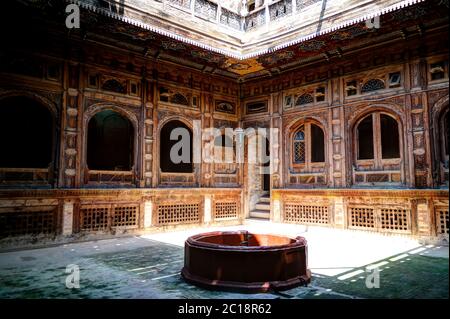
x=266 y=175
x=166 y=144
x=110 y=142
x=26 y=134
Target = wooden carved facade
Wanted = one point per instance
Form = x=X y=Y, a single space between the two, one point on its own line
x=357 y=138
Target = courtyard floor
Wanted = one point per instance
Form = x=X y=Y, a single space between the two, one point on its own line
x=149 y=267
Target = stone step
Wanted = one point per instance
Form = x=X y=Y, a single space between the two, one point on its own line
x=260 y=214
x=262 y=206
x=264 y=200
x=256 y=220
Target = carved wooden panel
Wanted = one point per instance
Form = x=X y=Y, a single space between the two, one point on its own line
x=42 y=221
x=226 y=210
x=379 y=218
x=361 y=217
x=126 y=216
x=442 y=220
x=104 y=216
x=186 y=213
x=395 y=219
x=94 y=218
x=306 y=214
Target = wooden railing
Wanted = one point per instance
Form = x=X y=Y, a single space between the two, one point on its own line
x=177 y=179
x=110 y=177
x=25 y=175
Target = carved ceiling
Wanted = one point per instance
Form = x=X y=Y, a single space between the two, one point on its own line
x=400 y=23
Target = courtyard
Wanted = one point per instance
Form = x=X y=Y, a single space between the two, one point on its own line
x=148 y=266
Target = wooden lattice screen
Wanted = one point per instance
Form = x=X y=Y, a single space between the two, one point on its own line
x=102 y=218
x=125 y=216
x=225 y=210
x=382 y=219
x=94 y=218
x=28 y=223
x=178 y=214
x=442 y=220
x=306 y=214
x=394 y=219
x=361 y=217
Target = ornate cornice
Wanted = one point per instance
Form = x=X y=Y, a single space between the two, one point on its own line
x=243 y=45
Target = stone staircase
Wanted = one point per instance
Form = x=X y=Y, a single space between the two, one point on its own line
x=262 y=208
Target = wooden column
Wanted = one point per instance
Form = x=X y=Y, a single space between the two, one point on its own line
x=148 y=89
x=71 y=126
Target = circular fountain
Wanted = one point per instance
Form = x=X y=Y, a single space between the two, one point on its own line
x=245 y=262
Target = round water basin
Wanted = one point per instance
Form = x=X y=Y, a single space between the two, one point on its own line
x=245 y=262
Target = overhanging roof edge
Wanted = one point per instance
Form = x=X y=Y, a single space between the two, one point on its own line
x=236 y=54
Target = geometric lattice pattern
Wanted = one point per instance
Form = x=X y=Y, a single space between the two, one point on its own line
x=306 y=214
x=372 y=85
x=394 y=219
x=125 y=216
x=181 y=3
x=362 y=217
x=27 y=223
x=305 y=99
x=94 y=218
x=299 y=152
x=178 y=213
x=179 y=99
x=299 y=147
x=442 y=220
x=225 y=210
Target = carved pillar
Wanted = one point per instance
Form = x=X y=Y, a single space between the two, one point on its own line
x=207 y=217
x=207 y=144
x=275 y=139
x=148 y=212
x=420 y=165
x=423 y=219
x=155 y=122
x=68 y=209
x=336 y=135
x=71 y=138
x=339 y=213
x=336 y=149
x=147 y=95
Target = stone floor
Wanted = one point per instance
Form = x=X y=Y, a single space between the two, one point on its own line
x=148 y=267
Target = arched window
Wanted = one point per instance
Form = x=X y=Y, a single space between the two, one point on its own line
x=308 y=145
x=26 y=134
x=378 y=138
x=113 y=85
x=372 y=85
x=178 y=98
x=176 y=154
x=110 y=142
